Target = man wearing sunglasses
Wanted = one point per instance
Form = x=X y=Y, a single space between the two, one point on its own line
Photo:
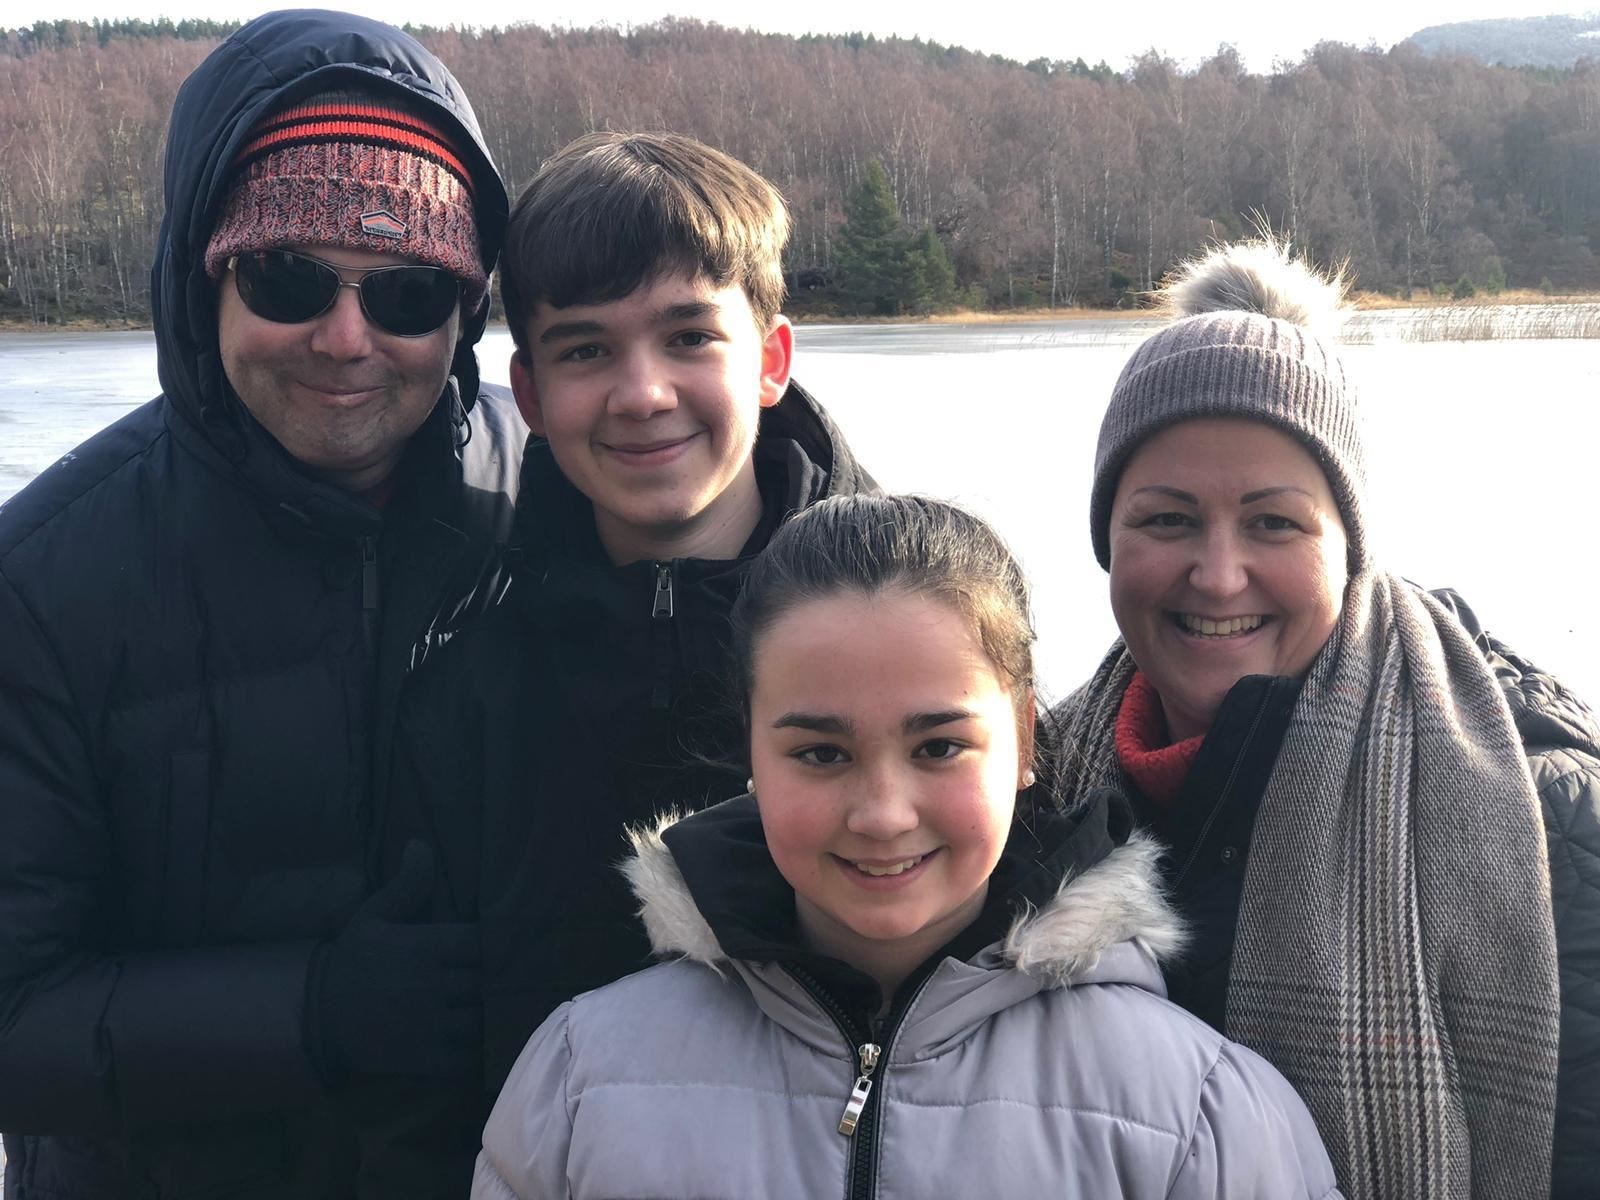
x=206 y=614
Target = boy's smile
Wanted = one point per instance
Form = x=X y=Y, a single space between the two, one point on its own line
x=650 y=404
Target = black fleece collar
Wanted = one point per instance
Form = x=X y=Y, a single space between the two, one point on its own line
x=1219 y=799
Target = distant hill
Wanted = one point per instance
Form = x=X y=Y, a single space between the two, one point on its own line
x=1515 y=41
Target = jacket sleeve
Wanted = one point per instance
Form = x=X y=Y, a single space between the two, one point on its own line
x=92 y=1040
x=1562 y=741
x=1569 y=790
x=528 y=1139
x=421 y=1136
x=1253 y=1138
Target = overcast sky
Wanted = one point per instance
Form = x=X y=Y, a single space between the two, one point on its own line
x=1093 y=29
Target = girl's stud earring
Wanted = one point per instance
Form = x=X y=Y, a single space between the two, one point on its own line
x=750 y=785
x=1029 y=778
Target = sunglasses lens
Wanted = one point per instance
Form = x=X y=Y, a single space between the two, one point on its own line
x=410 y=301
x=283 y=287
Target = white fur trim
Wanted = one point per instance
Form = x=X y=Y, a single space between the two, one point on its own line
x=1117 y=899
x=671 y=920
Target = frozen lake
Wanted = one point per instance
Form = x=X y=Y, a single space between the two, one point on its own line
x=1481 y=454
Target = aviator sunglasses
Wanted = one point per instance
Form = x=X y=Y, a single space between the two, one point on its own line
x=290 y=288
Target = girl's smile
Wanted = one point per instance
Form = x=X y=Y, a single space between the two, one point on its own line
x=886 y=874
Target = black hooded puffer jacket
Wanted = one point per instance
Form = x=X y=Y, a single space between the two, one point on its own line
x=201 y=652
x=596 y=696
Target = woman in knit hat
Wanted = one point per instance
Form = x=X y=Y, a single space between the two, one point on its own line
x=1350 y=780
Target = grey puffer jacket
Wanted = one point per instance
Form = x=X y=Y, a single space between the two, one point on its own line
x=1047 y=1062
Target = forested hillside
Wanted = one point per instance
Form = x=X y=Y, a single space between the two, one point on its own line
x=1041 y=183
x=1515 y=41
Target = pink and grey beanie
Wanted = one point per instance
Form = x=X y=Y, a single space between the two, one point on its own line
x=1244 y=346
x=353 y=170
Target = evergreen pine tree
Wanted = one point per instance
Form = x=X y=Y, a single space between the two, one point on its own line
x=934 y=274
x=876 y=271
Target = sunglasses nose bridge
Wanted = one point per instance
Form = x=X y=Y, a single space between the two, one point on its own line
x=329 y=271
x=360 y=289
x=344 y=329
x=356 y=285
x=333 y=299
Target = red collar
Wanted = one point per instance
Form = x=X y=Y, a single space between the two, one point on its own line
x=1155 y=765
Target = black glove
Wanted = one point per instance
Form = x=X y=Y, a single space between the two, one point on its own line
x=395 y=994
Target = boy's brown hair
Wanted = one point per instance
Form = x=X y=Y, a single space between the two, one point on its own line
x=611 y=211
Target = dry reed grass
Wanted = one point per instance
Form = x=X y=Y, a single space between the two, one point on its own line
x=1476 y=322
x=1010 y=316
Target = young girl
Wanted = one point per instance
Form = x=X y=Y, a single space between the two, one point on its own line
x=901 y=972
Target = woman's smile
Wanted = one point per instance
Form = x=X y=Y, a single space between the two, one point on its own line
x=1218 y=627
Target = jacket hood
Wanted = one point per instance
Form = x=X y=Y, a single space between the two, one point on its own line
x=271 y=61
x=1097 y=896
x=1547 y=714
x=821 y=463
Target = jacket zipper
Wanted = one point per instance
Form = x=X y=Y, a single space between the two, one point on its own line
x=369 y=595
x=661 y=613
x=1227 y=788
x=860 y=1119
x=868 y=1053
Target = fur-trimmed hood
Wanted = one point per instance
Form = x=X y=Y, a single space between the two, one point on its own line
x=1058 y=942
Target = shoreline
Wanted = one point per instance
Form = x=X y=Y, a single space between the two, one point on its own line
x=1359 y=302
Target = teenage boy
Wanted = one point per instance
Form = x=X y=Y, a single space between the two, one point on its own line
x=642 y=280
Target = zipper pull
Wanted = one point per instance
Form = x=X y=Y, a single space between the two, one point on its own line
x=369 y=573
x=661 y=610
x=660 y=614
x=858 y=1095
x=369 y=595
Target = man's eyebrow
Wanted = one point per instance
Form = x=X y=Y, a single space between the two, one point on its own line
x=1174 y=493
x=922 y=722
x=562 y=330
x=815 y=722
x=1263 y=493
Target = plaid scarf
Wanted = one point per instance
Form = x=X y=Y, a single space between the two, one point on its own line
x=1395 y=953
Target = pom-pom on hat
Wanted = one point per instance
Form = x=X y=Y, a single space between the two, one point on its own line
x=355 y=170
x=1252 y=339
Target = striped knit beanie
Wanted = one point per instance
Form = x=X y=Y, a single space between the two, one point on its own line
x=1244 y=346
x=354 y=170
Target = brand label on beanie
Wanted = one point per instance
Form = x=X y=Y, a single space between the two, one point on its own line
x=382 y=224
